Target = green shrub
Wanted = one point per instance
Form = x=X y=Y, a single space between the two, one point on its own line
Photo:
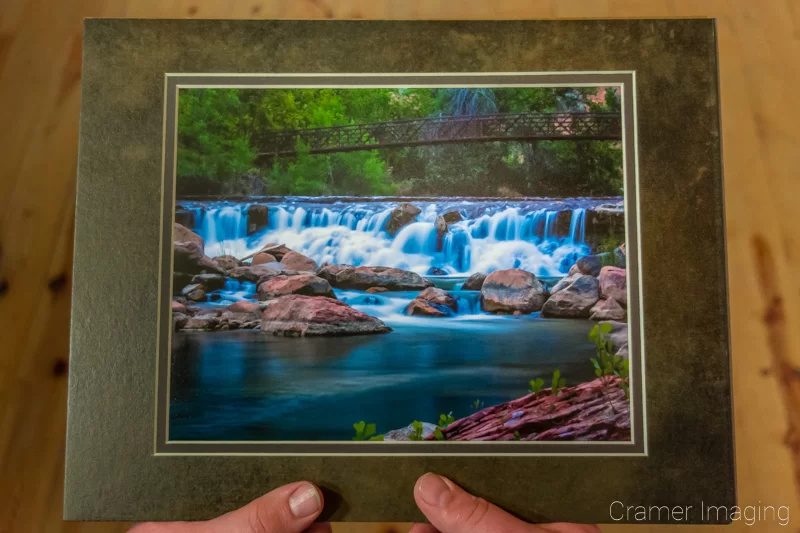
x=417 y=435
x=607 y=364
x=366 y=431
x=536 y=385
x=557 y=383
x=477 y=405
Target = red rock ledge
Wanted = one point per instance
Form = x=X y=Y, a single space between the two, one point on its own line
x=580 y=413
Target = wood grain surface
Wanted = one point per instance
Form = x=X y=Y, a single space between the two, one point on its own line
x=40 y=63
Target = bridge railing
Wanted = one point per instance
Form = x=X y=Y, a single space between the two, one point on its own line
x=447 y=129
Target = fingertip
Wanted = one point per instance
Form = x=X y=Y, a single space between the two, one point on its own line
x=306 y=500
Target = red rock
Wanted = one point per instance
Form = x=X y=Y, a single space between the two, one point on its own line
x=262 y=258
x=227 y=262
x=178 y=307
x=608 y=310
x=305 y=284
x=329 y=272
x=276 y=250
x=183 y=234
x=243 y=306
x=590 y=411
x=506 y=291
x=375 y=290
x=297 y=261
x=392 y=279
x=188 y=258
x=295 y=315
x=613 y=284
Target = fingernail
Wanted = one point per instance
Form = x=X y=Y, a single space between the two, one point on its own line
x=433 y=490
x=304 y=501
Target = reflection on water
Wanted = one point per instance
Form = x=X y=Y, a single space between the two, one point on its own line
x=248 y=386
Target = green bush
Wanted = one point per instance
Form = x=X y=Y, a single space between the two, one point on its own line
x=606 y=363
x=366 y=431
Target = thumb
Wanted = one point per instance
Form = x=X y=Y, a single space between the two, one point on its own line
x=452 y=510
x=288 y=509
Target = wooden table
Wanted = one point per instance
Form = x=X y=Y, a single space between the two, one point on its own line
x=40 y=63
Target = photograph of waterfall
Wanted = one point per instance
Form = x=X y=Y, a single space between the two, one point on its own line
x=400 y=264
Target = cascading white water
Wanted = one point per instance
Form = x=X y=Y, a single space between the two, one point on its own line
x=494 y=234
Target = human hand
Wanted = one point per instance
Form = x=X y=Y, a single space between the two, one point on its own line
x=291 y=508
x=452 y=510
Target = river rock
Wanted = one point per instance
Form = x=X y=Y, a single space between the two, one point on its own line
x=393 y=279
x=194 y=292
x=404 y=434
x=435 y=271
x=201 y=322
x=243 y=306
x=179 y=321
x=183 y=234
x=188 y=258
x=262 y=258
x=178 y=307
x=432 y=302
x=613 y=284
x=329 y=272
x=474 y=282
x=589 y=264
x=506 y=291
x=298 y=261
x=375 y=290
x=257 y=218
x=255 y=273
x=211 y=282
x=305 y=284
x=276 y=250
x=608 y=309
x=575 y=300
x=227 y=262
x=297 y=315
x=401 y=215
x=565 y=281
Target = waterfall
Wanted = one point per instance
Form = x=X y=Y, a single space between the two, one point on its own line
x=493 y=234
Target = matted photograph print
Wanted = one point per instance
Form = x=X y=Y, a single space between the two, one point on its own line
x=401 y=264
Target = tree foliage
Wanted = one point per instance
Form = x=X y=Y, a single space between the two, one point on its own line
x=220 y=131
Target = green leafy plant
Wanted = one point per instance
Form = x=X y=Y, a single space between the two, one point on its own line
x=438 y=434
x=446 y=419
x=557 y=383
x=516 y=436
x=366 y=431
x=607 y=364
x=477 y=405
x=417 y=435
x=536 y=385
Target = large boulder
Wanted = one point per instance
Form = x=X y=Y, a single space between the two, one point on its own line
x=297 y=261
x=243 y=306
x=188 y=258
x=276 y=250
x=211 y=282
x=257 y=218
x=474 y=282
x=329 y=272
x=589 y=264
x=227 y=262
x=575 y=300
x=401 y=215
x=393 y=279
x=296 y=316
x=432 y=302
x=194 y=292
x=507 y=291
x=255 y=273
x=305 y=284
x=565 y=281
x=262 y=258
x=608 y=309
x=613 y=284
x=183 y=234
